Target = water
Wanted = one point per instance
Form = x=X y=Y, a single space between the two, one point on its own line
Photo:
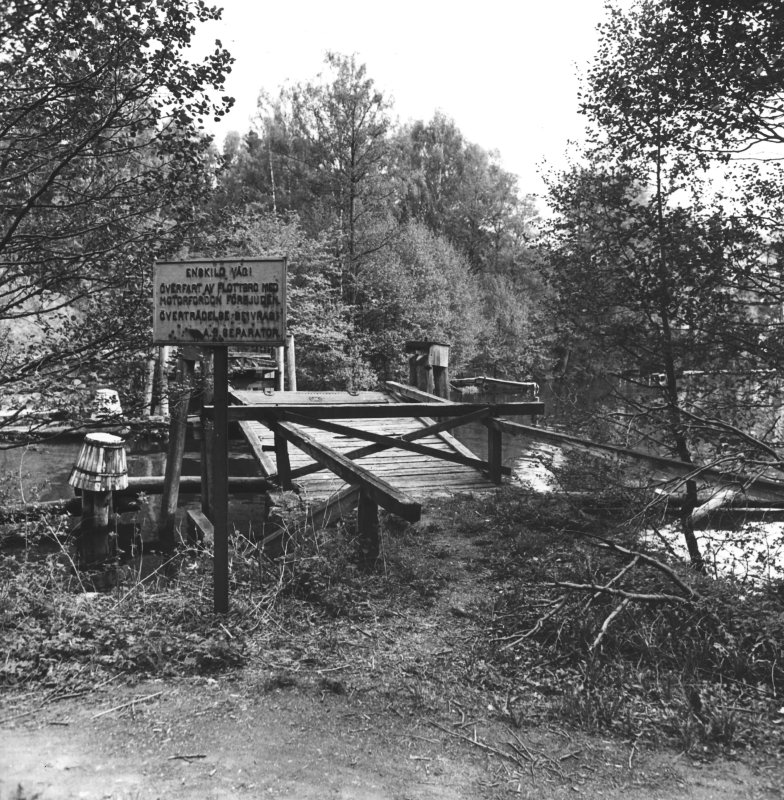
x=40 y=472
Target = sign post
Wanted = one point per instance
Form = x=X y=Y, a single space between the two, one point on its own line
x=215 y=304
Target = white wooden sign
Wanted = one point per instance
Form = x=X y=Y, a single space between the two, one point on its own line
x=235 y=301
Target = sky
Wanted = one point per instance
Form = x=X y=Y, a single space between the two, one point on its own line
x=506 y=71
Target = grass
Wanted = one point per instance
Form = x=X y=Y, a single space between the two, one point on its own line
x=466 y=609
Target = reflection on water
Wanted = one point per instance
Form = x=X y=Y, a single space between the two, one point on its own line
x=516 y=454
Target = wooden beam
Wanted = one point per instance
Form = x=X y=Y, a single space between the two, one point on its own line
x=199 y=527
x=372 y=449
x=272 y=412
x=334 y=508
x=390 y=442
x=411 y=393
x=265 y=462
x=760 y=487
x=380 y=491
x=191 y=484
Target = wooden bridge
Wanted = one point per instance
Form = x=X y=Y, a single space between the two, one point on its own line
x=418 y=473
x=390 y=449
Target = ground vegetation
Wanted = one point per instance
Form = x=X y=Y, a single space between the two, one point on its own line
x=535 y=637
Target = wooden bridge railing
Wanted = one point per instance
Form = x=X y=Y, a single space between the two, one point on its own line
x=286 y=419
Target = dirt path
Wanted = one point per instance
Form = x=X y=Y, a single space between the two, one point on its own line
x=364 y=705
x=235 y=738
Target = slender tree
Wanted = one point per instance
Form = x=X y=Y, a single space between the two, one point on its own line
x=644 y=252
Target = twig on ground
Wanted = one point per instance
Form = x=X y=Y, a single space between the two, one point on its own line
x=477 y=743
x=552 y=612
x=126 y=705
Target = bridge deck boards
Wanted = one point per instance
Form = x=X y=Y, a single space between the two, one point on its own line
x=420 y=476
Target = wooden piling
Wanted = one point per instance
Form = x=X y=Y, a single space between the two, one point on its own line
x=494 y=452
x=178 y=425
x=428 y=367
x=291 y=367
x=281 y=369
x=163 y=381
x=221 y=480
x=149 y=383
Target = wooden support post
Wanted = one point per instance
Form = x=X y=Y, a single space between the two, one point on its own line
x=282 y=461
x=163 y=381
x=425 y=380
x=367 y=527
x=220 y=480
x=149 y=383
x=207 y=429
x=494 y=456
x=93 y=538
x=412 y=370
x=291 y=364
x=178 y=425
x=281 y=369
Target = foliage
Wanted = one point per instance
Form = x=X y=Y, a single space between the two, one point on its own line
x=389 y=200
x=419 y=289
x=327 y=356
x=101 y=117
x=158 y=624
x=715 y=66
x=461 y=609
x=656 y=271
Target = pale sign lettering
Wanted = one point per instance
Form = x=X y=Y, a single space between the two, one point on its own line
x=231 y=301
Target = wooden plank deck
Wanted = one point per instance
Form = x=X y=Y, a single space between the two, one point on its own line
x=418 y=475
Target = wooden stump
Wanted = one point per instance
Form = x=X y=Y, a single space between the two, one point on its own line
x=177 y=432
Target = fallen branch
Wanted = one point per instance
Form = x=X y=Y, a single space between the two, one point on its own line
x=662 y=597
x=617 y=577
x=605 y=627
x=663 y=568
